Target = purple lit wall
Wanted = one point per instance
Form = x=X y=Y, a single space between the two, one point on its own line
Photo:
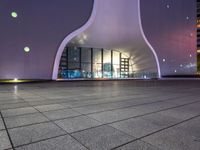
x=170 y=27
x=40 y=25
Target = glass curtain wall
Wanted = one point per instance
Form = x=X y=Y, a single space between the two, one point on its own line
x=82 y=62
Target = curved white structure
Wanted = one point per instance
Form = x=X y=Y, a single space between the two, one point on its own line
x=116 y=25
x=150 y=46
x=159 y=36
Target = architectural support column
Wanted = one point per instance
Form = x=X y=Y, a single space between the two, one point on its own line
x=92 y=74
x=102 y=67
x=111 y=63
x=67 y=61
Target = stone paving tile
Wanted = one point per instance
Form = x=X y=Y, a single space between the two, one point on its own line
x=18 y=111
x=44 y=108
x=77 y=123
x=2 y=102
x=33 y=133
x=59 y=114
x=16 y=121
x=1 y=124
x=136 y=127
x=4 y=140
x=121 y=104
x=161 y=119
x=138 y=145
x=94 y=100
x=88 y=97
x=41 y=99
x=173 y=139
x=184 y=112
x=45 y=102
x=115 y=115
x=8 y=96
x=101 y=107
x=102 y=138
x=192 y=128
x=60 y=143
x=155 y=107
x=12 y=106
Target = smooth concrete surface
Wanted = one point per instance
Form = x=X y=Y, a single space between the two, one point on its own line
x=101 y=115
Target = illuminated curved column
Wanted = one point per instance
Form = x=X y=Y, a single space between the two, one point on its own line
x=115 y=24
x=147 y=42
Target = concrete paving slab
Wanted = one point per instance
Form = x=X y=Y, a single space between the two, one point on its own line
x=173 y=139
x=136 y=127
x=33 y=133
x=44 y=108
x=17 y=121
x=13 y=105
x=4 y=140
x=138 y=145
x=60 y=143
x=77 y=123
x=1 y=124
x=18 y=111
x=59 y=114
x=102 y=138
x=111 y=98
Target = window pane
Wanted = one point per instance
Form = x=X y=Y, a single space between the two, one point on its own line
x=116 y=60
x=85 y=55
x=96 y=55
x=86 y=70
x=107 y=64
x=107 y=56
x=74 y=65
x=73 y=54
x=97 y=73
x=116 y=71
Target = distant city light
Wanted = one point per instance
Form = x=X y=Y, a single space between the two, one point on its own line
x=14 y=14
x=26 y=49
x=15 y=79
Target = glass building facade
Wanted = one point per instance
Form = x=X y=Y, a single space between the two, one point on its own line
x=82 y=62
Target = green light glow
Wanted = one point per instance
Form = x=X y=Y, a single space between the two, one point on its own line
x=26 y=49
x=14 y=14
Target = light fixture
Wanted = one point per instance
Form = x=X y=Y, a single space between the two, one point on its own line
x=14 y=14
x=15 y=79
x=26 y=49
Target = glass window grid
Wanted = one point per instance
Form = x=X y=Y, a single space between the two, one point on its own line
x=94 y=68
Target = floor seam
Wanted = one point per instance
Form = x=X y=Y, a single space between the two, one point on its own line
x=6 y=129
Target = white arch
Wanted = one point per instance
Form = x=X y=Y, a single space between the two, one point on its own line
x=147 y=42
x=69 y=38
x=86 y=26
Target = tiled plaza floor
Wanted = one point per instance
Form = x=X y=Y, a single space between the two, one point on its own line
x=101 y=115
